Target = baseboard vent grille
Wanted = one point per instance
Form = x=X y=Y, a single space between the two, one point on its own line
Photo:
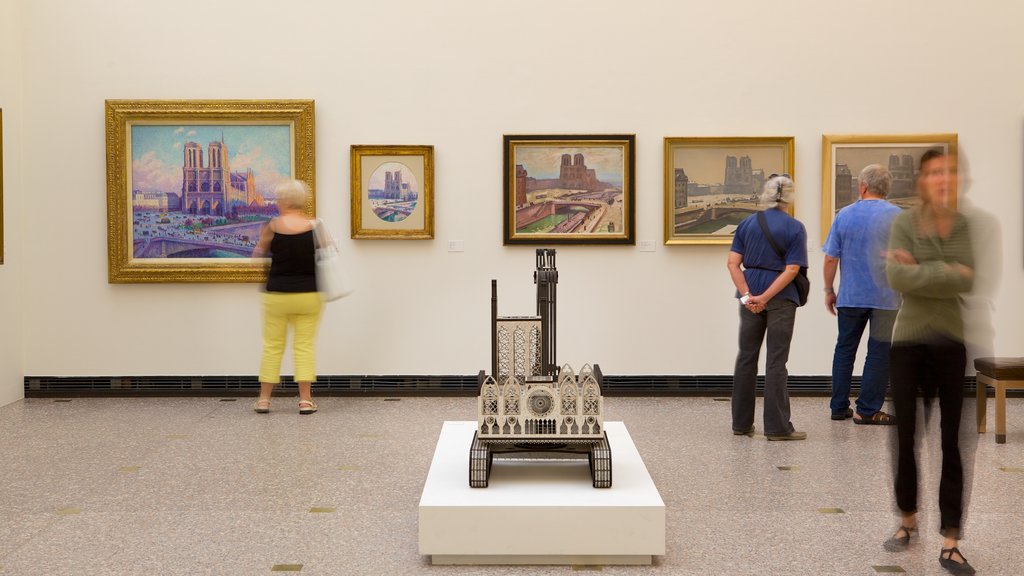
x=412 y=385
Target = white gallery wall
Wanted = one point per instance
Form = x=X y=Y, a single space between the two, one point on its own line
x=458 y=75
x=12 y=271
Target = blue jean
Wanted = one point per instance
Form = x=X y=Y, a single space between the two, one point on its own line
x=875 y=379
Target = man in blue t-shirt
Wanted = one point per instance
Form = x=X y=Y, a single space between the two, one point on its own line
x=768 y=302
x=855 y=245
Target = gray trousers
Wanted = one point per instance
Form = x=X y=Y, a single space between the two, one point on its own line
x=777 y=320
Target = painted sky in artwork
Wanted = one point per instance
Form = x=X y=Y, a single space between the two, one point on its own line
x=157 y=153
x=856 y=157
x=546 y=161
x=706 y=164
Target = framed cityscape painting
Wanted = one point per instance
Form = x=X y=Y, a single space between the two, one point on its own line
x=190 y=184
x=569 y=189
x=844 y=156
x=393 y=192
x=713 y=184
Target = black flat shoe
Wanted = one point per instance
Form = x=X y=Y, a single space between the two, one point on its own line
x=843 y=415
x=952 y=566
x=747 y=432
x=900 y=540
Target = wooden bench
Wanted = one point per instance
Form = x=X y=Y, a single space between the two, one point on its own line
x=1001 y=374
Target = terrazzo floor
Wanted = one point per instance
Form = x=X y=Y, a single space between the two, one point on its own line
x=205 y=486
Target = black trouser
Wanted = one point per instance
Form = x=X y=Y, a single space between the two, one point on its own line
x=777 y=321
x=934 y=368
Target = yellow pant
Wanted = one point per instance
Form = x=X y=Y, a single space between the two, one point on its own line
x=302 y=311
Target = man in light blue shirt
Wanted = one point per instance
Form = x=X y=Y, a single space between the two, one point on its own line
x=855 y=245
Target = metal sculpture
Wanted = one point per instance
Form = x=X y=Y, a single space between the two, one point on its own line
x=530 y=408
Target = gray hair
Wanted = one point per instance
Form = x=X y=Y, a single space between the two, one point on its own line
x=777 y=190
x=292 y=194
x=877 y=178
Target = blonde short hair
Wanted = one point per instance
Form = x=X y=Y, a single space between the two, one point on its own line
x=292 y=194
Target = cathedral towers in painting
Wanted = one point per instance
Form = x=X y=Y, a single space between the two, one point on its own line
x=210 y=187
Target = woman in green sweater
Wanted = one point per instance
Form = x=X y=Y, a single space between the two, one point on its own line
x=930 y=262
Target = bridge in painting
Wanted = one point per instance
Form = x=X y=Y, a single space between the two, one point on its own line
x=699 y=215
x=182 y=248
x=393 y=213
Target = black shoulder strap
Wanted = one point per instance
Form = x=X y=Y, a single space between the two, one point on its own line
x=763 y=221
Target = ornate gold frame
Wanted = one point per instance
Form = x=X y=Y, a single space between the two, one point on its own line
x=828 y=141
x=120 y=114
x=359 y=231
x=785 y=143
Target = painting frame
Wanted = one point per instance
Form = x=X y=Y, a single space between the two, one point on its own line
x=122 y=115
x=514 y=200
x=785 y=145
x=365 y=221
x=829 y=159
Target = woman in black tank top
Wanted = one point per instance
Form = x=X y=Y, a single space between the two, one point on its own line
x=291 y=298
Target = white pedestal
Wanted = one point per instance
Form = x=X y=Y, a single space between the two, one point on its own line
x=539 y=511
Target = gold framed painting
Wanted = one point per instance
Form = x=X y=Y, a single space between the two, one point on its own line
x=712 y=184
x=392 y=192
x=190 y=184
x=573 y=189
x=844 y=156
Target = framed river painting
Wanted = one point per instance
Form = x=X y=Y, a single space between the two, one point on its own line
x=392 y=192
x=844 y=156
x=190 y=184
x=713 y=184
x=569 y=189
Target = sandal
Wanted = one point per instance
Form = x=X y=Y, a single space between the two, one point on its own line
x=952 y=566
x=261 y=406
x=307 y=407
x=900 y=543
x=878 y=419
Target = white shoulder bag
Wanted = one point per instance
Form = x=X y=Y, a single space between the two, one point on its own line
x=333 y=279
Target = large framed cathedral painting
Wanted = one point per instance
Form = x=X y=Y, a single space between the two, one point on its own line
x=569 y=189
x=190 y=184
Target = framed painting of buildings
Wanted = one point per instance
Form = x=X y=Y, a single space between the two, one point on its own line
x=844 y=156
x=569 y=189
x=392 y=192
x=713 y=184
x=190 y=183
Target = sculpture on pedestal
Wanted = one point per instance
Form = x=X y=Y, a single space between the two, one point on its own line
x=530 y=408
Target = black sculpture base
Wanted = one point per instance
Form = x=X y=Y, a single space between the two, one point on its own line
x=597 y=452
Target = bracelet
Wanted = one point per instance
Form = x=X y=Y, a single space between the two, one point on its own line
x=829 y=291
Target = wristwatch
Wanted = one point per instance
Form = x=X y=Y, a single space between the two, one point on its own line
x=745 y=298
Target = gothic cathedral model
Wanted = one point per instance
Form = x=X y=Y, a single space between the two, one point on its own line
x=528 y=407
